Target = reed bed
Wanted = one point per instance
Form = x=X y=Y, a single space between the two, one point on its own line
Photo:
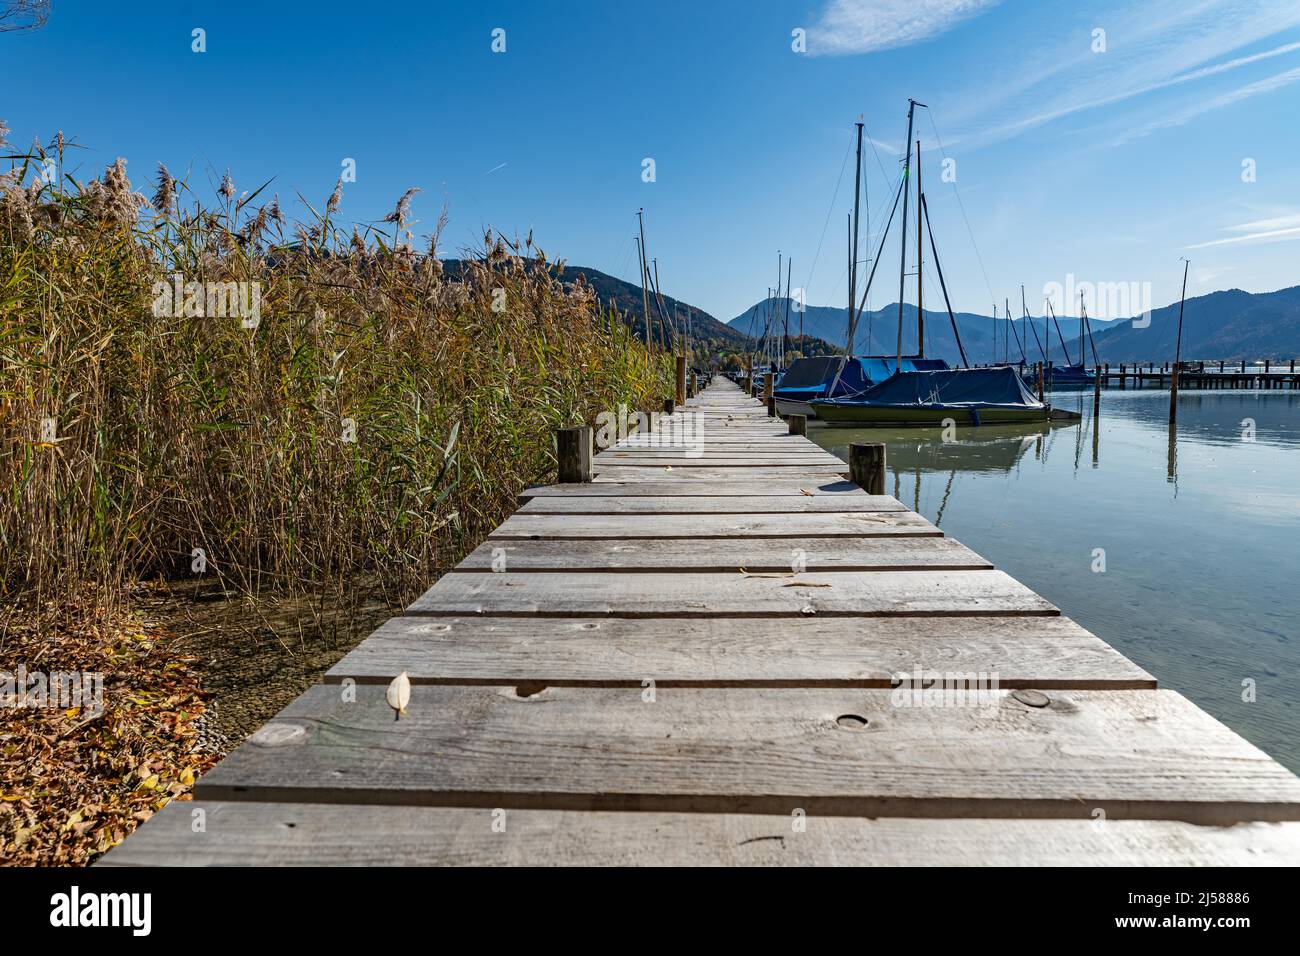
x=374 y=420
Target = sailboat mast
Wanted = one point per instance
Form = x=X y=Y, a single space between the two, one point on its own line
x=902 y=246
x=853 y=244
x=789 y=265
x=1024 y=308
x=1182 y=299
x=645 y=295
x=1083 y=318
x=1064 y=347
x=780 y=350
x=920 y=314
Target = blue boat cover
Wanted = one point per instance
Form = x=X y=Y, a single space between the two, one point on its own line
x=810 y=378
x=952 y=388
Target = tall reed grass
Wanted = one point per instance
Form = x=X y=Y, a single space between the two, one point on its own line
x=378 y=420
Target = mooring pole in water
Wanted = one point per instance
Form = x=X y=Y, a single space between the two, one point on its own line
x=573 y=452
x=1041 y=375
x=1178 y=349
x=798 y=424
x=867 y=466
x=1096 y=392
x=681 y=380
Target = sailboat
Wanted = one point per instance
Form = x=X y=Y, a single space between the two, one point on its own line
x=920 y=397
x=808 y=380
x=1069 y=375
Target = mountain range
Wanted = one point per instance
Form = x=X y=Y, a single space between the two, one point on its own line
x=1229 y=325
x=1220 y=325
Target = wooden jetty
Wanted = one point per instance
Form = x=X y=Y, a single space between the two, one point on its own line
x=1202 y=375
x=695 y=658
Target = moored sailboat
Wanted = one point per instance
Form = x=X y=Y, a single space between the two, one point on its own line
x=919 y=397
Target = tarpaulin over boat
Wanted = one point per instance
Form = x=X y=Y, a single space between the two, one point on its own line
x=806 y=372
x=952 y=388
x=812 y=377
x=813 y=380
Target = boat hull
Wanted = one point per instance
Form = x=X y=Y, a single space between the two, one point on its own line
x=788 y=406
x=878 y=416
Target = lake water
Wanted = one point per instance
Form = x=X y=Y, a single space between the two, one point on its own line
x=1200 y=529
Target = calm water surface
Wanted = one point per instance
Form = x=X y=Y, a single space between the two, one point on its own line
x=1200 y=528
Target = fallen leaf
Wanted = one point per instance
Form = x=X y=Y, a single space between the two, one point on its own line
x=399 y=693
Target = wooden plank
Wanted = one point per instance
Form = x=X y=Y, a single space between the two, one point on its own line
x=899 y=553
x=580 y=594
x=776 y=442
x=1131 y=755
x=682 y=504
x=1038 y=652
x=718 y=457
x=307 y=834
x=607 y=460
x=774 y=472
x=835 y=524
x=827 y=485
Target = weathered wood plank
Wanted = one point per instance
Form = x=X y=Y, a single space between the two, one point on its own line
x=1132 y=755
x=918 y=593
x=899 y=553
x=306 y=834
x=828 y=485
x=608 y=460
x=1040 y=652
x=736 y=473
x=835 y=524
x=713 y=504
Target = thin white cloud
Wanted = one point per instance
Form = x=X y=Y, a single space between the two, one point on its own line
x=1275 y=235
x=1267 y=85
x=1160 y=45
x=864 y=26
x=1276 y=229
x=1039 y=119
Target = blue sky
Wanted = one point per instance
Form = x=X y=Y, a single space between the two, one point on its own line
x=1107 y=166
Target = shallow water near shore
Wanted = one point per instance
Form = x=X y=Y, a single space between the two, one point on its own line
x=1199 y=527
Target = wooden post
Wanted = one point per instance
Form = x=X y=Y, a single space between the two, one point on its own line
x=648 y=419
x=573 y=451
x=1096 y=393
x=798 y=424
x=771 y=406
x=670 y=406
x=1040 y=380
x=867 y=466
x=767 y=384
x=681 y=380
x=1173 y=395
